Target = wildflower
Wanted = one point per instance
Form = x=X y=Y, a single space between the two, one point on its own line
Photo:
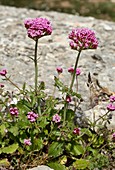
x=27 y=142
x=82 y=39
x=3 y=72
x=112 y=98
x=113 y=137
x=68 y=99
x=56 y=118
x=14 y=111
x=71 y=70
x=32 y=116
x=59 y=70
x=38 y=27
x=111 y=107
x=1 y=85
x=78 y=71
x=76 y=131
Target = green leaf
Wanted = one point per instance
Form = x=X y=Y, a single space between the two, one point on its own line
x=14 y=130
x=2 y=129
x=76 y=94
x=41 y=86
x=24 y=86
x=81 y=164
x=10 y=149
x=94 y=151
x=4 y=162
x=55 y=149
x=39 y=144
x=69 y=115
x=87 y=132
x=43 y=121
x=58 y=83
x=75 y=149
x=78 y=150
x=56 y=166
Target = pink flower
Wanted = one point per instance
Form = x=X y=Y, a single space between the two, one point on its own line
x=112 y=98
x=68 y=99
x=14 y=111
x=113 y=137
x=56 y=118
x=27 y=142
x=32 y=116
x=78 y=71
x=76 y=131
x=59 y=70
x=3 y=72
x=82 y=39
x=111 y=107
x=1 y=85
x=38 y=27
x=71 y=70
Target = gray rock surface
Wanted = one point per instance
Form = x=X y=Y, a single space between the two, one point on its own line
x=42 y=167
x=54 y=50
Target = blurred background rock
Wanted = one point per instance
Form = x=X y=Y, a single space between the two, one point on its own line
x=101 y=9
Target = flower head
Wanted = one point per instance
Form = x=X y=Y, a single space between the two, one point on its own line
x=1 y=85
x=27 y=142
x=59 y=70
x=76 y=131
x=111 y=107
x=32 y=116
x=78 y=71
x=3 y=72
x=113 y=136
x=38 y=27
x=68 y=99
x=71 y=70
x=82 y=39
x=56 y=118
x=112 y=98
x=14 y=111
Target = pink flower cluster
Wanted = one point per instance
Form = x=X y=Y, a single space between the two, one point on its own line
x=3 y=72
x=71 y=70
x=38 y=27
x=1 y=85
x=113 y=137
x=14 y=111
x=27 y=142
x=111 y=106
x=78 y=71
x=82 y=39
x=112 y=98
x=68 y=99
x=76 y=131
x=32 y=116
x=56 y=118
x=59 y=70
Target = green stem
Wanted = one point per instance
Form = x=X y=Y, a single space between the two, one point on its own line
x=36 y=66
x=39 y=108
x=101 y=117
x=65 y=109
x=71 y=85
x=74 y=73
x=12 y=83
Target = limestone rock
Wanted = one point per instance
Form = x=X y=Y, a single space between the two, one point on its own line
x=42 y=167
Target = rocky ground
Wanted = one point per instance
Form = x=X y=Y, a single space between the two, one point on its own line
x=54 y=50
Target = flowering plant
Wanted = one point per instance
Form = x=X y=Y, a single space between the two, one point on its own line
x=36 y=128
